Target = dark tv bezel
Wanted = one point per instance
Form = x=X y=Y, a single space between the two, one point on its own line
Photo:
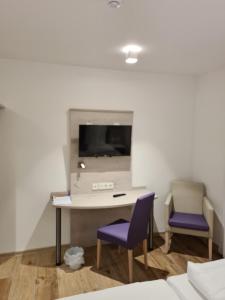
x=104 y=155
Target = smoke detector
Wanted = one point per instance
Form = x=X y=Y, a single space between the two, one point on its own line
x=114 y=3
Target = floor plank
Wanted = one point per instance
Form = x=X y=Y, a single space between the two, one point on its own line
x=33 y=275
x=4 y=288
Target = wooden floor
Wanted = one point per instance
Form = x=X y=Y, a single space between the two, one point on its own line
x=33 y=276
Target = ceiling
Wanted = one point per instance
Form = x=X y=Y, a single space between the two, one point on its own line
x=178 y=36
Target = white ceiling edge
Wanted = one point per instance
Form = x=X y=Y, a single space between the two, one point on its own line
x=102 y=69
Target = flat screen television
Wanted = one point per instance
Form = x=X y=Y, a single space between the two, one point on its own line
x=104 y=140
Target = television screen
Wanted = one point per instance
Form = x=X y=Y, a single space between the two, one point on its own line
x=104 y=140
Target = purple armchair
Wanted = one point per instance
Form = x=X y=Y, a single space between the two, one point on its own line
x=128 y=234
x=188 y=211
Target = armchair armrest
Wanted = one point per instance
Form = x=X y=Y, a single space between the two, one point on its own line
x=168 y=210
x=208 y=213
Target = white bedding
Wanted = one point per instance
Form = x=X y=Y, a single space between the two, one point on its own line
x=183 y=288
x=208 y=278
x=155 y=290
x=178 y=287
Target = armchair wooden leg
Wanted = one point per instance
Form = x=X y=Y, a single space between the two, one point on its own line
x=119 y=249
x=167 y=242
x=210 y=248
x=99 y=246
x=145 y=250
x=130 y=265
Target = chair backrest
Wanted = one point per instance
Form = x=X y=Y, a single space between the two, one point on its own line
x=188 y=196
x=138 y=230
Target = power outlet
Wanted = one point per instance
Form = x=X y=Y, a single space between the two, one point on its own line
x=102 y=186
x=94 y=186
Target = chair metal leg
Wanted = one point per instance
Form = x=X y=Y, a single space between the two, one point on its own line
x=210 y=248
x=99 y=246
x=58 y=236
x=145 y=250
x=130 y=265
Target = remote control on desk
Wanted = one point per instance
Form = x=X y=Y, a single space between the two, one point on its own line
x=119 y=195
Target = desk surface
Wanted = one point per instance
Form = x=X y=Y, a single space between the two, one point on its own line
x=100 y=200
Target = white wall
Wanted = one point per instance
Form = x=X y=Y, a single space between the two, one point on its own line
x=209 y=143
x=34 y=138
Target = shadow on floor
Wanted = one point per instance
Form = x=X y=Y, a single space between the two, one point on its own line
x=192 y=246
x=139 y=275
x=115 y=266
x=114 y=263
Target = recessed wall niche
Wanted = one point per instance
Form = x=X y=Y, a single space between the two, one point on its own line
x=84 y=223
x=116 y=169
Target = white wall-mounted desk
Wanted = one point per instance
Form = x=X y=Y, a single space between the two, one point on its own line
x=100 y=200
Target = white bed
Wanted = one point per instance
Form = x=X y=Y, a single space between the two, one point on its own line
x=202 y=279
x=156 y=289
x=183 y=288
x=175 y=288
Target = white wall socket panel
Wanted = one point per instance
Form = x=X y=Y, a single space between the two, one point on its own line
x=102 y=186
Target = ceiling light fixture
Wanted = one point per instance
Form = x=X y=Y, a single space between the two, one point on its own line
x=131 y=58
x=133 y=48
x=131 y=52
x=114 y=3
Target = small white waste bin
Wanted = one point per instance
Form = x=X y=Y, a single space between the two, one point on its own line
x=74 y=257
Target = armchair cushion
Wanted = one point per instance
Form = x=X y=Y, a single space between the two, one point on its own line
x=189 y=221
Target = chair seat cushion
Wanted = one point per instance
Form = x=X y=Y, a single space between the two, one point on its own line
x=189 y=221
x=116 y=232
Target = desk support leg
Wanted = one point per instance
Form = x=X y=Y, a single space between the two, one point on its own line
x=150 y=229
x=58 y=236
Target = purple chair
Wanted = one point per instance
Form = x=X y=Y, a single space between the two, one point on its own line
x=129 y=234
x=188 y=211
